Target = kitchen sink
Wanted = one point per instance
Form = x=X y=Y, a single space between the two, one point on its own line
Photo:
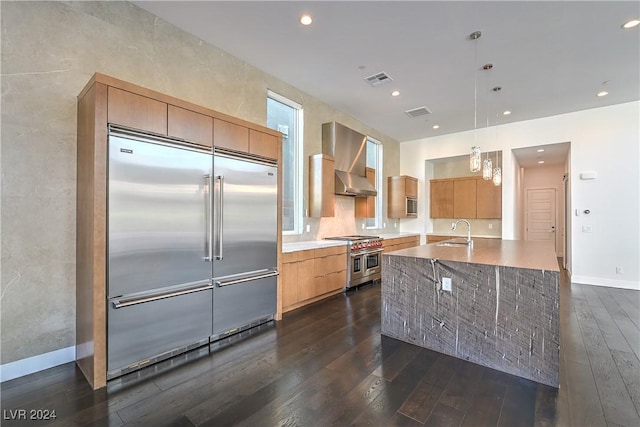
x=455 y=242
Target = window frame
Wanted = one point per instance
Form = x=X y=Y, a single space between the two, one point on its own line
x=377 y=220
x=298 y=148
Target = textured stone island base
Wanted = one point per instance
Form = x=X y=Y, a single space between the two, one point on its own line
x=505 y=318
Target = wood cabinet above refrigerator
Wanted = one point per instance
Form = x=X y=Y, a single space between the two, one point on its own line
x=107 y=100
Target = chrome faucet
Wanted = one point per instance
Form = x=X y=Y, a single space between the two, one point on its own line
x=455 y=225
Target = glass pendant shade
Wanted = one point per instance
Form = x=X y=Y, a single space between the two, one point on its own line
x=487 y=169
x=474 y=159
x=497 y=176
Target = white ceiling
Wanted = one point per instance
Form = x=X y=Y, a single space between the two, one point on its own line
x=549 y=57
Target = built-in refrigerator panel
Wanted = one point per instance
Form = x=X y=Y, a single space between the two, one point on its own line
x=245 y=254
x=159 y=293
x=159 y=216
x=245 y=216
x=241 y=304
x=145 y=333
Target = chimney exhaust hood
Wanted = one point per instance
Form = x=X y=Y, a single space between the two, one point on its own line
x=349 y=149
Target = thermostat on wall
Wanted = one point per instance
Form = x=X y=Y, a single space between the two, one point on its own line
x=588 y=175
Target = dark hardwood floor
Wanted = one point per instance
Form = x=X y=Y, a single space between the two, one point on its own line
x=327 y=364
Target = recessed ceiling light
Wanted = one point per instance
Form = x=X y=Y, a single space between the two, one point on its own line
x=603 y=93
x=436 y=126
x=506 y=113
x=306 y=19
x=540 y=150
x=540 y=162
x=395 y=93
x=631 y=23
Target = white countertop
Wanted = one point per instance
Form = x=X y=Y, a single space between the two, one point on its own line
x=310 y=244
x=454 y=235
x=318 y=244
x=397 y=235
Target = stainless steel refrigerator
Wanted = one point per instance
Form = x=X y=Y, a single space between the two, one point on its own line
x=244 y=242
x=191 y=250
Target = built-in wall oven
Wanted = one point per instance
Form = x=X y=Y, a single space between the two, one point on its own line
x=364 y=255
x=411 y=207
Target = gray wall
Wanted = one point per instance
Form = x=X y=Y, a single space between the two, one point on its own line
x=49 y=52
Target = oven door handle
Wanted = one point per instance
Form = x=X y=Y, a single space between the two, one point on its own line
x=377 y=251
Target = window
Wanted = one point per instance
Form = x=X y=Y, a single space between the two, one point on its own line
x=374 y=161
x=285 y=116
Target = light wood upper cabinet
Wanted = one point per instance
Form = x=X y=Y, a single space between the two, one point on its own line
x=399 y=188
x=366 y=205
x=190 y=126
x=464 y=198
x=411 y=187
x=322 y=182
x=441 y=198
x=488 y=200
x=136 y=111
x=469 y=197
x=263 y=144
x=230 y=135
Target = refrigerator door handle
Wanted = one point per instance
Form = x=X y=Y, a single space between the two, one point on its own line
x=219 y=218
x=208 y=229
x=248 y=278
x=126 y=302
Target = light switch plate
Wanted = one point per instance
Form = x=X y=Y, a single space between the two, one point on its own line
x=446 y=284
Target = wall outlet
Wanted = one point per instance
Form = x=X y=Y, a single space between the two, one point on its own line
x=384 y=225
x=446 y=284
x=587 y=229
x=363 y=226
x=619 y=270
x=308 y=228
x=490 y=226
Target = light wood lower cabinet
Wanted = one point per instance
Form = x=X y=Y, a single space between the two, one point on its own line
x=309 y=276
x=391 y=245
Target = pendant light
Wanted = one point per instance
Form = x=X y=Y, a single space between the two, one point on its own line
x=487 y=167
x=497 y=172
x=474 y=158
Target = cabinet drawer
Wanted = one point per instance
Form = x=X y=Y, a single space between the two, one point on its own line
x=329 y=264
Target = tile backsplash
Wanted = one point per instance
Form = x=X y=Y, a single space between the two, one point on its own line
x=342 y=224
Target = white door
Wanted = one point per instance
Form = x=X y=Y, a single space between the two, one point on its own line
x=541 y=214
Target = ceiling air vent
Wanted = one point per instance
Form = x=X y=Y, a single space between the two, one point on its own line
x=378 y=79
x=417 y=112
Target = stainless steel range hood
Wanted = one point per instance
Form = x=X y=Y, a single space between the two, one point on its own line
x=349 y=149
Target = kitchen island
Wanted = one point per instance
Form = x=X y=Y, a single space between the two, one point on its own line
x=501 y=311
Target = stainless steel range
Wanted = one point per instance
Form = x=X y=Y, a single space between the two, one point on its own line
x=363 y=258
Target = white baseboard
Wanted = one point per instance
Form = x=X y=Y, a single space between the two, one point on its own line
x=612 y=283
x=27 y=366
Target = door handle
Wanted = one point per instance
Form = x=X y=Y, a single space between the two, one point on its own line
x=207 y=219
x=126 y=302
x=249 y=278
x=219 y=216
